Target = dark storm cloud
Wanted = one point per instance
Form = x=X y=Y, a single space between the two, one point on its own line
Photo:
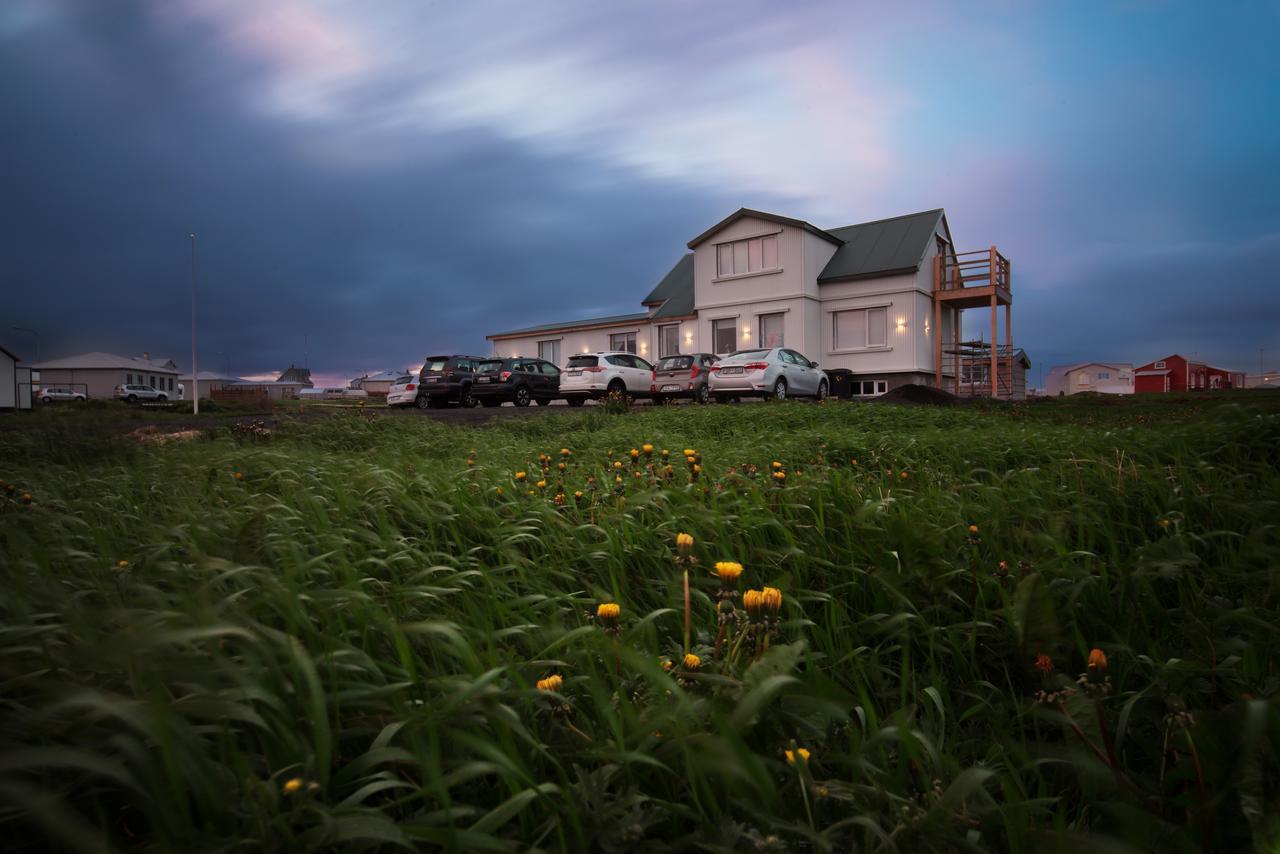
x=382 y=180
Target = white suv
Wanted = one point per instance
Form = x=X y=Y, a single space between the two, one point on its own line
x=52 y=393
x=597 y=375
x=134 y=393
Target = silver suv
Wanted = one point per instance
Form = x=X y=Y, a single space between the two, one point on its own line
x=133 y=393
x=596 y=375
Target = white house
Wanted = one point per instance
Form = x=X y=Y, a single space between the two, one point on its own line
x=1102 y=377
x=15 y=382
x=880 y=299
x=98 y=374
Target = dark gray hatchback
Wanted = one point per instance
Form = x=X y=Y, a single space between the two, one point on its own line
x=682 y=376
x=446 y=379
x=519 y=380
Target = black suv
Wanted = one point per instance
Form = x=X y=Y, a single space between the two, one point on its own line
x=446 y=379
x=518 y=380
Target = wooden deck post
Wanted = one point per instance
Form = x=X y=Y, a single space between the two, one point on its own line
x=995 y=358
x=937 y=321
x=1008 y=342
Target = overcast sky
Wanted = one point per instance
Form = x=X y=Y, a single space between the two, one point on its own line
x=371 y=182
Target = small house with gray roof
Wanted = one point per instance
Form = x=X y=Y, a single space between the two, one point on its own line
x=880 y=303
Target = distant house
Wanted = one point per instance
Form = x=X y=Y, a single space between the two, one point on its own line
x=1101 y=377
x=1178 y=373
x=377 y=385
x=97 y=374
x=975 y=372
x=301 y=377
x=209 y=381
x=1265 y=379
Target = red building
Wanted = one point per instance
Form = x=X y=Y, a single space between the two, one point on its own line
x=1176 y=373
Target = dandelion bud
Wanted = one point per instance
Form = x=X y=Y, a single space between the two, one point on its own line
x=292 y=785
x=1098 y=661
x=691 y=661
x=752 y=602
x=551 y=683
x=684 y=543
x=973 y=529
x=520 y=475
x=609 y=611
x=771 y=599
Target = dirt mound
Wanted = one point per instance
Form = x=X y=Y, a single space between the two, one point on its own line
x=920 y=395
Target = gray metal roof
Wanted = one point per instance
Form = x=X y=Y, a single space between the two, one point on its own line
x=675 y=291
x=614 y=320
x=882 y=247
x=110 y=361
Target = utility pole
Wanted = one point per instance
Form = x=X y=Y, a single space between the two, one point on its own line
x=195 y=374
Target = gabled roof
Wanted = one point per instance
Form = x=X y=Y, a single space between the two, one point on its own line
x=110 y=361
x=9 y=354
x=674 y=294
x=589 y=323
x=781 y=220
x=882 y=247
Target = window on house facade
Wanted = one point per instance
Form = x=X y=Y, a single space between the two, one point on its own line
x=128 y=379
x=668 y=340
x=752 y=255
x=771 y=330
x=1159 y=366
x=859 y=328
x=981 y=373
x=724 y=335
x=1104 y=375
x=152 y=380
x=623 y=342
x=868 y=388
x=550 y=351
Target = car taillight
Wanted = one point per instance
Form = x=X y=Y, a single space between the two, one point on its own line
x=693 y=375
x=409 y=387
x=655 y=375
x=755 y=366
x=594 y=370
x=715 y=369
x=506 y=375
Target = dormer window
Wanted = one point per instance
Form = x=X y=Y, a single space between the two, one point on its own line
x=1159 y=366
x=752 y=255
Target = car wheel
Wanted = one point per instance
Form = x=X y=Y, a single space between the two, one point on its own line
x=465 y=400
x=780 y=389
x=822 y=390
x=44 y=400
x=422 y=401
x=79 y=398
x=703 y=394
x=163 y=398
x=522 y=396
x=575 y=401
x=133 y=398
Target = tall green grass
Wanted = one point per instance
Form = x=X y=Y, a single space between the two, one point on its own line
x=340 y=647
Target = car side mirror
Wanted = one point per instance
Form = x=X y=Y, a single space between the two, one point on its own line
x=813 y=364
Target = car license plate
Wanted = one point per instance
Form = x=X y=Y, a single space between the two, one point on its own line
x=482 y=379
x=433 y=379
x=671 y=388
x=731 y=370
x=575 y=373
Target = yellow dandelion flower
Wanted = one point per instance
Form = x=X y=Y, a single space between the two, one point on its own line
x=799 y=753
x=497 y=490
x=551 y=683
x=973 y=529
x=691 y=661
x=647 y=448
x=689 y=452
x=779 y=476
x=771 y=599
x=684 y=542
x=697 y=469
x=26 y=498
x=292 y=785
x=542 y=484
x=667 y=664
x=577 y=494
x=728 y=571
x=122 y=564
x=239 y=475
x=521 y=475
x=635 y=453
x=903 y=475
x=776 y=465
x=609 y=611
x=617 y=464
x=665 y=453
x=753 y=601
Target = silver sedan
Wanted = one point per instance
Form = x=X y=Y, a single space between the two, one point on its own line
x=776 y=373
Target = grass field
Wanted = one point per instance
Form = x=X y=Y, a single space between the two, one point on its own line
x=346 y=632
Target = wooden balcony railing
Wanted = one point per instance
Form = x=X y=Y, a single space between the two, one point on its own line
x=980 y=269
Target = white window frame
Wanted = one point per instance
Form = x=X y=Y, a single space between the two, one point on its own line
x=667 y=327
x=879 y=388
x=1160 y=365
x=635 y=342
x=745 y=244
x=866 y=313
x=733 y=320
x=555 y=343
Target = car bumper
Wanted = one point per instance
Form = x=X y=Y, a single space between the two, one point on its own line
x=740 y=384
x=404 y=398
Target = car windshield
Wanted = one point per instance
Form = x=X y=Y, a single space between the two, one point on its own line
x=489 y=366
x=403 y=380
x=583 y=362
x=676 y=363
x=435 y=364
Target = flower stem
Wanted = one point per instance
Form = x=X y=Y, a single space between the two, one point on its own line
x=687 y=612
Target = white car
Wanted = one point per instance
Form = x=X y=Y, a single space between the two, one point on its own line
x=596 y=375
x=52 y=393
x=403 y=392
x=776 y=373
x=133 y=393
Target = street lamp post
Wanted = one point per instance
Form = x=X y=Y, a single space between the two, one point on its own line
x=195 y=373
